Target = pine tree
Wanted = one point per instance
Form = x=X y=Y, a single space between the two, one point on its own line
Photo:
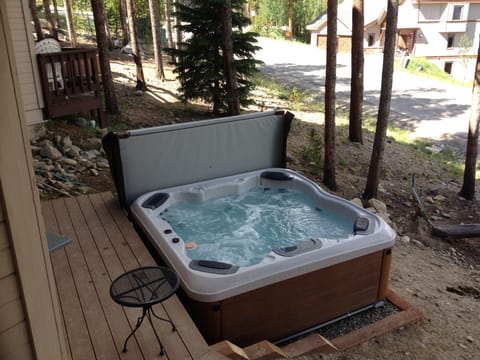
x=199 y=61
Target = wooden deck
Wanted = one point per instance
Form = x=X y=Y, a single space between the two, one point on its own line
x=104 y=246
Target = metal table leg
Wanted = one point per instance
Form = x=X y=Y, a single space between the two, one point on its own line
x=139 y=322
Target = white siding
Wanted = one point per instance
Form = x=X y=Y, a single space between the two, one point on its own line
x=19 y=18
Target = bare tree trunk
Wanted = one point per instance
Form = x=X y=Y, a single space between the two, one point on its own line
x=356 y=92
x=178 y=31
x=228 y=65
x=36 y=20
x=329 y=178
x=137 y=58
x=373 y=179
x=104 y=56
x=123 y=21
x=107 y=34
x=468 y=187
x=290 y=19
x=51 y=23
x=157 y=46
x=56 y=16
x=70 y=24
x=168 y=22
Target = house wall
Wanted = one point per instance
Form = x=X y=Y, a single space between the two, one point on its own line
x=30 y=321
x=436 y=26
x=20 y=22
x=14 y=338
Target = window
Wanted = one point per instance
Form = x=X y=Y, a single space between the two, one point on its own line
x=457 y=12
x=448 y=67
x=450 y=41
x=371 y=40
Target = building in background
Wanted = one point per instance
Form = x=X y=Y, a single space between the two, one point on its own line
x=443 y=32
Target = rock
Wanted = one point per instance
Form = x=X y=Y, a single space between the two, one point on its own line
x=45 y=142
x=94 y=171
x=73 y=152
x=378 y=205
x=357 y=201
x=429 y=199
x=82 y=122
x=469 y=339
x=66 y=142
x=386 y=217
x=58 y=168
x=92 y=144
x=50 y=152
x=434 y=149
x=68 y=161
x=417 y=243
x=404 y=239
x=103 y=164
x=91 y=154
x=439 y=198
x=35 y=149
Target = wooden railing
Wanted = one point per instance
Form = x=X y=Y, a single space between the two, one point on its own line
x=71 y=83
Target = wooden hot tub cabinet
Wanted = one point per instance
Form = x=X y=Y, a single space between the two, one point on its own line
x=289 y=306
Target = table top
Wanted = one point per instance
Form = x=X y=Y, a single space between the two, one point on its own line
x=144 y=286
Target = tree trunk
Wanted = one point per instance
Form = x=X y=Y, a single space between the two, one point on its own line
x=371 y=187
x=157 y=46
x=137 y=58
x=36 y=20
x=70 y=24
x=123 y=21
x=51 y=23
x=356 y=91
x=98 y=11
x=468 y=187
x=228 y=65
x=290 y=19
x=329 y=178
x=56 y=16
x=168 y=21
x=178 y=31
x=108 y=36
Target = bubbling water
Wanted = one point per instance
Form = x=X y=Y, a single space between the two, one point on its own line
x=242 y=229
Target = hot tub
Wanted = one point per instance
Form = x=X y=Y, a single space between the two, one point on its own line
x=292 y=286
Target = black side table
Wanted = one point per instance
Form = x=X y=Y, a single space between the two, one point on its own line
x=144 y=287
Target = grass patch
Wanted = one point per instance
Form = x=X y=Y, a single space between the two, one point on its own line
x=422 y=67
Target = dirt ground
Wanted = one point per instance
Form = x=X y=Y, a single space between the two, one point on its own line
x=439 y=277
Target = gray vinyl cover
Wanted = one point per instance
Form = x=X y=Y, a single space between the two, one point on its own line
x=165 y=156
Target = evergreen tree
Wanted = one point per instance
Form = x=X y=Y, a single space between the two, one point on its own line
x=199 y=61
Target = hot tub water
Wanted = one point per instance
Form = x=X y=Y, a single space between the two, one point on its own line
x=241 y=229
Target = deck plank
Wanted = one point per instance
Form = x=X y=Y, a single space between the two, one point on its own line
x=104 y=246
x=103 y=262
x=78 y=338
x=69 y=215
x=174 y=346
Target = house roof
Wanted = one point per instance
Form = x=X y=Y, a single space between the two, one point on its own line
x=374 y=11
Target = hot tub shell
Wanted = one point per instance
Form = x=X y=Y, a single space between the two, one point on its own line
x=282 y=294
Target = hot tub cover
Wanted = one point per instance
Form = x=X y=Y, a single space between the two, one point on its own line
x=154 y=158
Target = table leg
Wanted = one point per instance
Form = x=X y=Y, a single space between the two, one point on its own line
x=149 y=317
x=163 y=319
x=139 y=322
